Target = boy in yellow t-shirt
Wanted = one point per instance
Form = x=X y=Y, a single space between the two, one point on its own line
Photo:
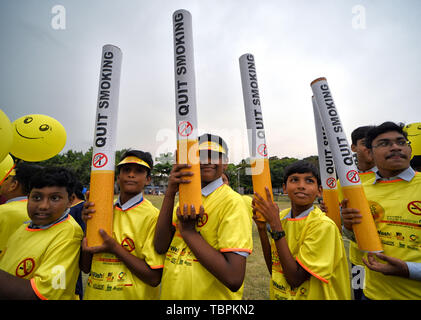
x=15 y=188
x=307 y=253
x=206 y=253
x=41 y=260
x=394 y=195
x=126 y=266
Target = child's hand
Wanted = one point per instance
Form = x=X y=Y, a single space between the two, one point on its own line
x=187 y=222
x=176 y=177
x=268 y=209
x=261 y=225
x=350 y=215
x=86 y=212
x=108 y=245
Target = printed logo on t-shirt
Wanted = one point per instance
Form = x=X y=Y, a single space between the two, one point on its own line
x=25 y=267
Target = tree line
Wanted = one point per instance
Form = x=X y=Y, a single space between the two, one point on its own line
x=80 y=163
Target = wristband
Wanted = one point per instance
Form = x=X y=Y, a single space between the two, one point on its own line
x=276 y=235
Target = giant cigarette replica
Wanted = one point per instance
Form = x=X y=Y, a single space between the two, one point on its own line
x=103 y=154
x=255 y=129
x=186 y=115
x=327 y=170
x=365 y=232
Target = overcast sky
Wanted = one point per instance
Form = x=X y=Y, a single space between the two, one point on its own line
x=369 y=51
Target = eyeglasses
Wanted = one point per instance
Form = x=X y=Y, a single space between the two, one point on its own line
x=386 y=143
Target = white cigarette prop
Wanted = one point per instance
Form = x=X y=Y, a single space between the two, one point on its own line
x=260 y=169
x=186 y=115
x=327 y=170
x=103 y=154
x=365 y=232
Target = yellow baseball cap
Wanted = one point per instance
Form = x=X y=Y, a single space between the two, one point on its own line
x=210 y=142
x=212 y=146
x=133 y=159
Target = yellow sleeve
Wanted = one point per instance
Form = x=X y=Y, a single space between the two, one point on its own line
x=152 y=258
x=56 y=277
x=234 y=231
x=318 y=253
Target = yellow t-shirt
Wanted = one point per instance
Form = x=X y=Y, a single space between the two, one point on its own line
x=110 y=278
x=48 y=257
x=12 y=216
x=397 y=205
x=316 y=244
x=226 y=226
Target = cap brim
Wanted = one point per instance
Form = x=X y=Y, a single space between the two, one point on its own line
x=132 y=159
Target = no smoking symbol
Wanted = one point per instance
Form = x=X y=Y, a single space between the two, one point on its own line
x=262 y=150
x=331 y=182
x=99 y=160
x=353 y=176
x=415 y=207
x=185 y=128
x=25 y=267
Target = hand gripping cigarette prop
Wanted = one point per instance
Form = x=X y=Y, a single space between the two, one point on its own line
x=327 y=170
x=103 y=154
x=186 y=115
x=260 y=169
x=365 y=232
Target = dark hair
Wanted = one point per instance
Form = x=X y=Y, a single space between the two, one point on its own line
x=302 y=166
x=360 y=133
x=79 y=190
x=416 y=163
x=145 y=156
x=53 y=177
x=383 y=128
x=24 y=173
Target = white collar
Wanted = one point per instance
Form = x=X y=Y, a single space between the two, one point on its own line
x=301 y=215
x=17 y=199
x=408 y=174
x=211 y=187
x=130 y=203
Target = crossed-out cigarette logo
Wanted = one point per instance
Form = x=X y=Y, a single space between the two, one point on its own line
x=25 y=267
x=128 y=244
x=414 y=207
x=202 y=220
x=377 y=210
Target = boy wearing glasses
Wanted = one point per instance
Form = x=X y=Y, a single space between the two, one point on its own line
x=394 y=197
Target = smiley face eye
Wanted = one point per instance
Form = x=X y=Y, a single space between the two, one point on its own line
x=28 y=120
x=44 y=127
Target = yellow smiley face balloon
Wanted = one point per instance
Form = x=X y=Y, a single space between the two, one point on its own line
x=37 y=137
x=6 y=135
x=414 y=135
x=6 y=167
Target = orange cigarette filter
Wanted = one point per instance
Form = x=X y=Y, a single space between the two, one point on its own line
x=365 y=230
x=102 y=194
x=330 y=198
x=261 y=179
x=190 y=193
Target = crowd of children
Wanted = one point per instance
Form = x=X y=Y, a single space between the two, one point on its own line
x=169 y=254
